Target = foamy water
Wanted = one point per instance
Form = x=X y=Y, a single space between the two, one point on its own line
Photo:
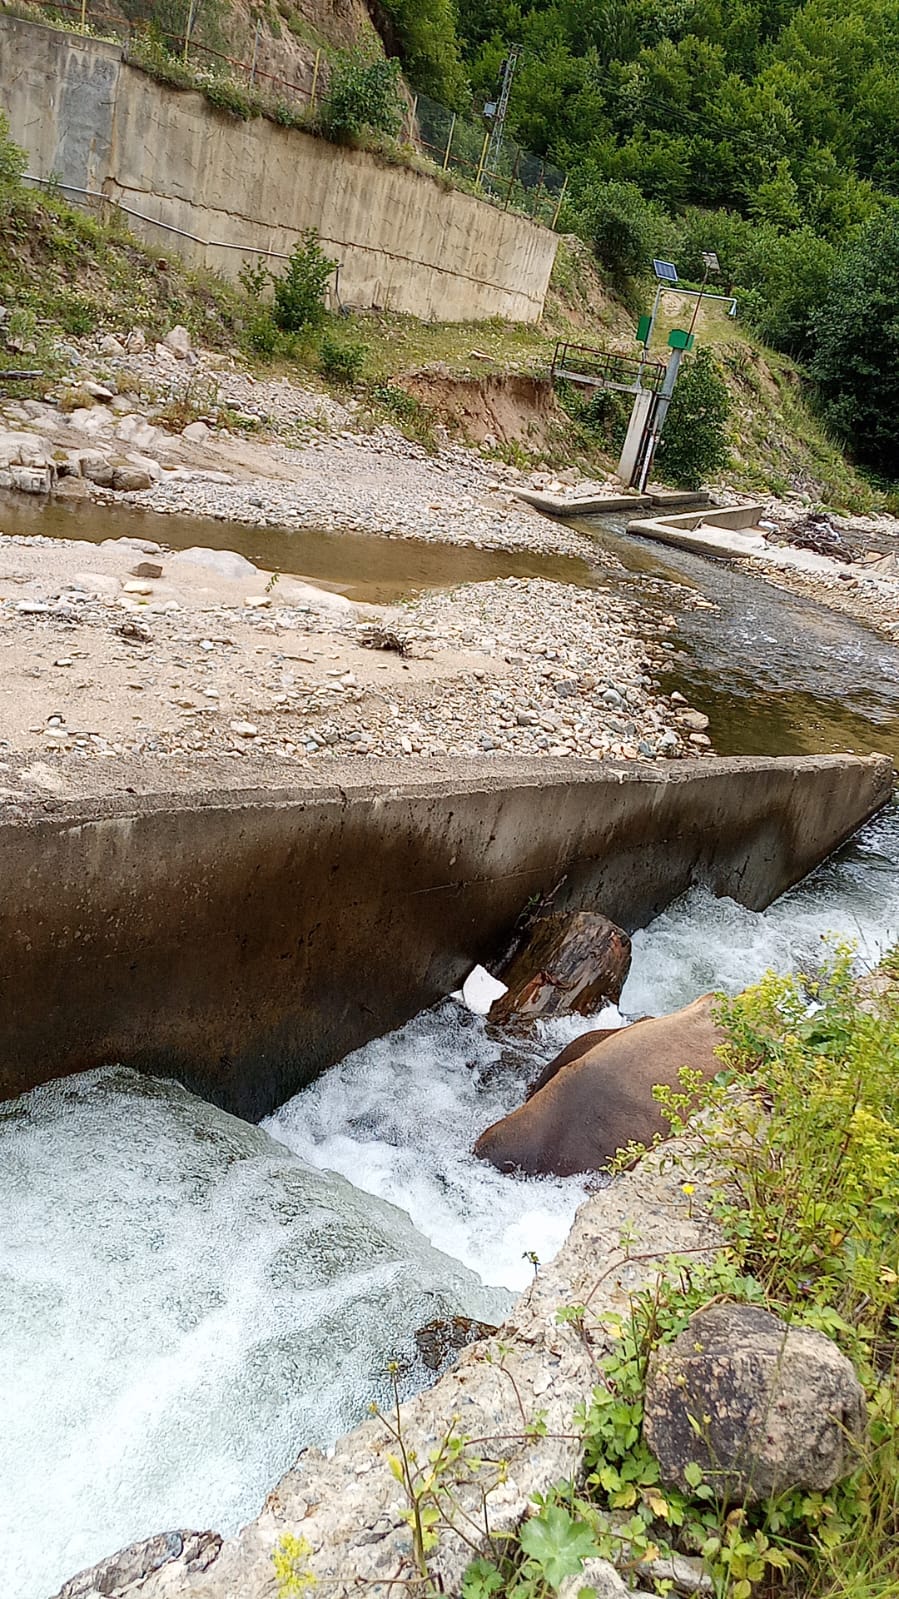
x=183 y=1306
x=184 y=1303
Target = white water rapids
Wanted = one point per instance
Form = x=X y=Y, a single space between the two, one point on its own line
x=185 y=1302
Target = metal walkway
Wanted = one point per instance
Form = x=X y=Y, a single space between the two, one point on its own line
x=606 y=369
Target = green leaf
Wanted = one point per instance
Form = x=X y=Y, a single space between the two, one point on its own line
x=693 y=1473
x=558 y=1544
x=480 y=1580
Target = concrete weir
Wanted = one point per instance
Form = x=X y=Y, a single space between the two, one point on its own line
x=243 y=940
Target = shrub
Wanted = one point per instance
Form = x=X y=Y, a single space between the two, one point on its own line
x=694 y=444
x=226 y=96
x=300 y=293
x=342 y=360
x=622 y=227
x=262 y=335
x=363 y=95
x=12 y=165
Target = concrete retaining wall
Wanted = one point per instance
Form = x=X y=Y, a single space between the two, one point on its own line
x=244 y=941
x=403 y=242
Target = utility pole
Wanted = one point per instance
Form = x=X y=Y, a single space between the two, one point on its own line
x=659 y=414
x=502 y=106
x=710 y=262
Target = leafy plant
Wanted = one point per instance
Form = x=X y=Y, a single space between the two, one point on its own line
x=694 y=442
x=856 y=362
x=341 y=359
x=12 y=165
x=299 y=295
x=290 y=1559
x=363 y=95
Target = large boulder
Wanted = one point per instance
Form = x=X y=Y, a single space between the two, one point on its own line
x=576 y=961
x=778 y=1407
x=598 y=1103
x=576 y=1050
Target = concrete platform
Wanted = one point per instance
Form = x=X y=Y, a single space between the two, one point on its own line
x=241 y=940
x=582 y=505
x=731 y=532
x=568 y=505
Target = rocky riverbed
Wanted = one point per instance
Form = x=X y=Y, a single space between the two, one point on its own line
x=124 y=648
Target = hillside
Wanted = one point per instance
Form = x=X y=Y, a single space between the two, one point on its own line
x=64 y=274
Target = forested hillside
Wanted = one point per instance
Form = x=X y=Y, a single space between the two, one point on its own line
x=766 y=130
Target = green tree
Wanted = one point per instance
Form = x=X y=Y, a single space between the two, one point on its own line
x=694 y=443
x=299 y=296
x=363 y=95
x=621 y=226
x=856 y=362
x=429 y=46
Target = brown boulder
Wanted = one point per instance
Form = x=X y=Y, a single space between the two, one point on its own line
x=603 y=1100
x=572 y=1052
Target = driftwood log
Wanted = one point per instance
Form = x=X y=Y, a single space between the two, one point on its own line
x=574 y=961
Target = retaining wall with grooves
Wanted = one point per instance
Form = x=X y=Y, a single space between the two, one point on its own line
x=402 y=239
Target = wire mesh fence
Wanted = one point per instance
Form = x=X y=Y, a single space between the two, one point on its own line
x=498 y=170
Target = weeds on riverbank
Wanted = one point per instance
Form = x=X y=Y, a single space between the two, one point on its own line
x=802 y=1134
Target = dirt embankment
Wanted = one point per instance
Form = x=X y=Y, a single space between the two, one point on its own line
x=508 y=408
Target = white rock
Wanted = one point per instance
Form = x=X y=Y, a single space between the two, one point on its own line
x=109 y=345
x=225 y=563
x=137 y=431
x=177 y=340
x=480 y=990
x=138 y=588
x=244 y=729
x=95 y=583
x=197 y=432
x=98 y=391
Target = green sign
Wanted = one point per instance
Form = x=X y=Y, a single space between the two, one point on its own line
x=679 y=340
x=643 y=327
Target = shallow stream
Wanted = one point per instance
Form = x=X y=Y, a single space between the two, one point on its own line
x=185 y=1300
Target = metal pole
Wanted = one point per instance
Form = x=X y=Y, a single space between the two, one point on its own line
x=698 y=302
x=499 y=121
x=558 y=209
x=255 y=50
x=318 y=56
x=480 y=171
x=190 y=26
x=512 y=179
x=661 y=412
x=412 y=115
x=84 y=16
x=449 y=143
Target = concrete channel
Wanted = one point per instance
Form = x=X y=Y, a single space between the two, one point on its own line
x=244 y=940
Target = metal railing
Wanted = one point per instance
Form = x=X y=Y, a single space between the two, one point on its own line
x=606 y=369
x=516 y=180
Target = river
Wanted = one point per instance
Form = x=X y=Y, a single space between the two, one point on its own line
x=186 y=1300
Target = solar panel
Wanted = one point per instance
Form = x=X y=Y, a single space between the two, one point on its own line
x=665 y=271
